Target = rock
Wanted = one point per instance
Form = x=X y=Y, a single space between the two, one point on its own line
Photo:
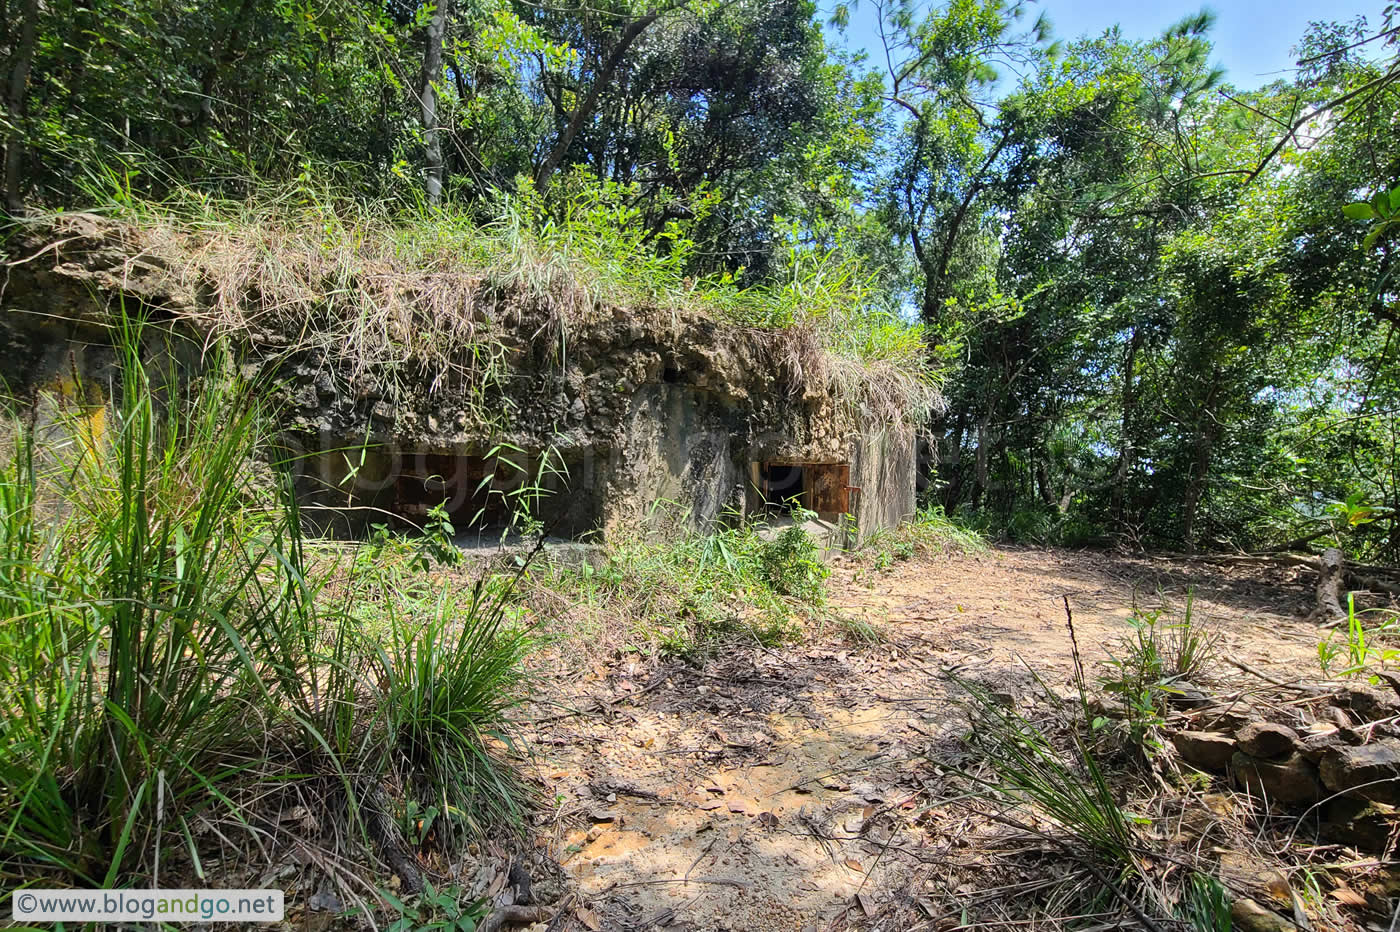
x=1289 y=781
x=1107 y=707
x=1266 y=740
x=1249 y=916
x=1223 y=718
x=1205 y=750
x=1361 y=824
x=1185 y=695
x=1367 y=702
x=1315 y=744
x=1371 y=771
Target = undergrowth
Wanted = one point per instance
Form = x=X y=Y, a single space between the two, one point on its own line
x=1362 y=643
x=169 y=643
x=685 y=591
x=1046 y=780
x=1149 y=667
x=930 y=532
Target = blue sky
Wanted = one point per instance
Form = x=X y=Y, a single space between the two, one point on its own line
x=1253 y=38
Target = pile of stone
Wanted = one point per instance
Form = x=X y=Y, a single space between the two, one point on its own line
x=1346 y=765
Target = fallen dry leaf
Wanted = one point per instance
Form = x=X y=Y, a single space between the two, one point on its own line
x=589 y=918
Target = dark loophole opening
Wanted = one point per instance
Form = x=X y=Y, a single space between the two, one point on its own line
x=455 y=482
x=824 y=488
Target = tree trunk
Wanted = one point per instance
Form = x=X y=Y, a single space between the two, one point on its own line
x=220 y=60
x=1331 y=570
x=432 y=73
x=586 y=107
x=1200 y=466
x=979 y=481
x=14 y=105
x=1119 y=496
x=935 y=279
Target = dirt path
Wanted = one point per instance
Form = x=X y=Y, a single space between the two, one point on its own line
x=785 y=789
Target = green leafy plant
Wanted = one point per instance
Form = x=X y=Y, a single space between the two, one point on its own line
x=1038 y=776
x=1076 y=792
x=439 y=909
x=1384 y=210
x=1147 y=664
x=1363 y=652
x=1205 y=905
x=929 y=532
x=438 y=544
x=791 y=564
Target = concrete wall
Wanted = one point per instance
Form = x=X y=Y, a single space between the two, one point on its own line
x=884 y=467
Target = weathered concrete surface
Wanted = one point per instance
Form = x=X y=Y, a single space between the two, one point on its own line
x=626 y=408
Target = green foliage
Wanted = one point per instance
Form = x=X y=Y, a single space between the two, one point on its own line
x=440 y=909
x=1048 y=776
x=1362 y=650
x=1146 y=666
x=437 y=546
x=155 y=625
x=689 y=590
x=1205 y=906
x=929 y=533
x=450 y=672
x=791 y=564
x=1070 y=787
x=163 y=617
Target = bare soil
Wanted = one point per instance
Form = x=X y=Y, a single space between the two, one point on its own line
x=801 y=788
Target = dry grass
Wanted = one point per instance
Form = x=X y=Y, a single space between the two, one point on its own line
x=436 y=292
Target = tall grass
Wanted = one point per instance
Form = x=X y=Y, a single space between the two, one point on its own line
x=147 y=613
x=165 y=640
x=448 y=687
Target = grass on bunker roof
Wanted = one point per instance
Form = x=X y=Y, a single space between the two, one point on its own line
x=385 y=286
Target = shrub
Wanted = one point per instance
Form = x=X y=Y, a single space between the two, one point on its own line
x=1147 y=665
x=691 y=590
x=791 y=564
x=448 y=682
x=929 y=532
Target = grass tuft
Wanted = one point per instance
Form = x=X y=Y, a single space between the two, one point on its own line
x=687 y=591
x=168 y=644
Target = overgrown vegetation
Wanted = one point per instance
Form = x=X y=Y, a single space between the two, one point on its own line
x=687 y=591
x=396 y=290
x=929 y=532
x=1051 y=781
x=1364 y=643
x=1161 y=305
x=174 y=656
